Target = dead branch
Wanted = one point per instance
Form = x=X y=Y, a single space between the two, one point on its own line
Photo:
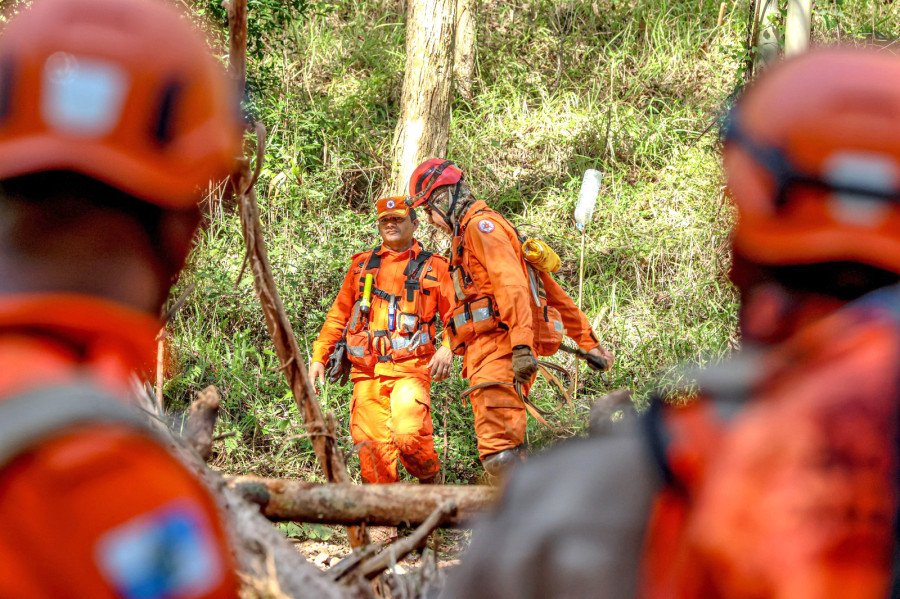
x=377 y=505
x=201 y=421
x=396 y=551
x=279 y=327
x=350 y=563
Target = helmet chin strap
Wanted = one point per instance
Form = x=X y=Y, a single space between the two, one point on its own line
x=448 y=217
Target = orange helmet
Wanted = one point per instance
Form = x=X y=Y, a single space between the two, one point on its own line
x=812 y=156
x=428 y=176
x=122 y=91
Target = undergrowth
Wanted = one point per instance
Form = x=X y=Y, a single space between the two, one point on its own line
x=633 y=88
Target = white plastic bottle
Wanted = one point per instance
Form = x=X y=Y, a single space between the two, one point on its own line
x=587 y=197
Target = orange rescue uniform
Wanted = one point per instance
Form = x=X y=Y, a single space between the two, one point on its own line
x=390 y=411
x=80 y=504
x=487 y=262
x=791 y=493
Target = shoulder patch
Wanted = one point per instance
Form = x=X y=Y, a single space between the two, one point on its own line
x=485 y=226
x=166 y=553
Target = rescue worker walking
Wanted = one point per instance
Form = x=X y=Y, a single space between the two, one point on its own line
x=113 y=118
x=506 y=312
x=779 y=478
x=387 y=310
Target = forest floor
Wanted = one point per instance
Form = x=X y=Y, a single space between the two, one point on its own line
x=449 y=545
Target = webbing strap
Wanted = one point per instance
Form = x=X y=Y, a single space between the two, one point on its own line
x=28 y=418
x=372 y=263
x=412 y=271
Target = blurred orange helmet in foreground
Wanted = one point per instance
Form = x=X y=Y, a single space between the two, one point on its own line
x=123 y=91
x=812 y=158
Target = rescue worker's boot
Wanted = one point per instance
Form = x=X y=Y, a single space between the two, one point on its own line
x=497 y=465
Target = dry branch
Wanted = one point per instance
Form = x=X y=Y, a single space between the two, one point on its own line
x=399 y=549
x=377 y=505
x=201 y=421
x=279 y=327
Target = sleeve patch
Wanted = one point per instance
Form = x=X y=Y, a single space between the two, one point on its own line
x=167 y=553
x=485 y=226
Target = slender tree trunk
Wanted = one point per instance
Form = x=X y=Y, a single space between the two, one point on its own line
x=766 y=41
x=464 y=47
x=796 y=27
x=424 y=126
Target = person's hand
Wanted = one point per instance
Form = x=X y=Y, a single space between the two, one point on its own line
x=524 y=364
x=316 y=371
x=603 y=359
x=440 y=363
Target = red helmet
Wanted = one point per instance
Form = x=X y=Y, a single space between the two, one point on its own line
x=122 y=91
x=428 y=176
x=812 y=157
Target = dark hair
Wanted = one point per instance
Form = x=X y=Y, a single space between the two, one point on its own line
x=59 y=198
x=412 y=215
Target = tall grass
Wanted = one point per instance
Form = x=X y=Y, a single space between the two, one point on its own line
x=630 y=87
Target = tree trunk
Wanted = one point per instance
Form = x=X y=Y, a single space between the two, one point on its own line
x=796 y=27
x=381 y=505
x=464 y=47
x=766 y=42
x=423 y=129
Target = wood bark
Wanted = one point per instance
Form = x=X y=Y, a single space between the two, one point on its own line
x=381 y=505
x=464 y=47
x=320 y=429
x=423 y=129
x=201 y=421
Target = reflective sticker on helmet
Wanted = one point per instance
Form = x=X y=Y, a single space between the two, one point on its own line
x=485 y=226
x=166 y=553
x=867 y=172
x=390 y=204
x=82 y=96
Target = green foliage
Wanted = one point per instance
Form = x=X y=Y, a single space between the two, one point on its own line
x=632 y=87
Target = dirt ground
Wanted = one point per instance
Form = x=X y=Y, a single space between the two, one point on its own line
x=447 y=544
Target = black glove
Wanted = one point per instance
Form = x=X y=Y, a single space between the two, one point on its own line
x=596 y=363
x=524 y=364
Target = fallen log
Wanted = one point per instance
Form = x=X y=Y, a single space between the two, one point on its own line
x=377 y=505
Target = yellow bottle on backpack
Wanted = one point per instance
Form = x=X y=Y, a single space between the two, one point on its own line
x=540 y=255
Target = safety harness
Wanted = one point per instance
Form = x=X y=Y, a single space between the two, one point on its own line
x=480 y=311
x=411 y=332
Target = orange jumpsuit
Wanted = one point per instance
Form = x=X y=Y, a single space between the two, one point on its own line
x=97 y=510
x=390 y=411
x=490 y=254
x=794 y=495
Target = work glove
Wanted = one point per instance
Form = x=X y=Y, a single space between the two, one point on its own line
x=524 y=364
x=599 y=359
